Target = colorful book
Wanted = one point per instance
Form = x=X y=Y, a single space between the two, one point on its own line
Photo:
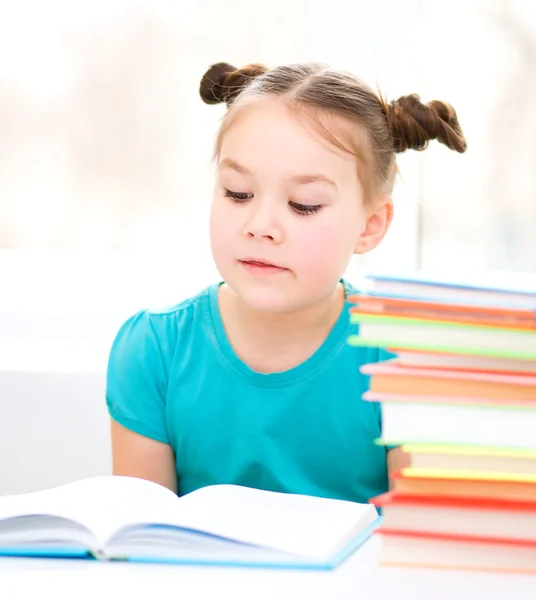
x=406 y=420
x=460 y=399
x=435 y=311
x=496 y=289
x=459 y=362
x=124 y=518
x=520 y=488
x=485 y=517
x=425 y=549
x=395 y=332
x=386 y=304
x=412 y=399
x=479 y=459
x=391 y=377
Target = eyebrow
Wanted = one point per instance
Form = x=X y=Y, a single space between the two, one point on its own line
x=229 y=163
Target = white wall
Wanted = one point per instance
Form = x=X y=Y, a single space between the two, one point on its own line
x=53 y=429
x=54 y=426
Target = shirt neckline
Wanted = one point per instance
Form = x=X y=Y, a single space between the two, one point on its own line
x=319 y=360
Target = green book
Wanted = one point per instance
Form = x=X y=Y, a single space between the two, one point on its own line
x=416 y=334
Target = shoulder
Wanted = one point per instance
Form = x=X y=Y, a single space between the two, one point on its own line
x=151 y=332
x=184 y=310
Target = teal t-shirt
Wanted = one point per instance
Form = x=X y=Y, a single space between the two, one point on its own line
x=174 y=377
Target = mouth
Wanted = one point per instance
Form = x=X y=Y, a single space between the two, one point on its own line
x=261 y=265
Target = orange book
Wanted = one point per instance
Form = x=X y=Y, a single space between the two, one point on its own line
x=410 y=399
x=521 y=489
x=390 y=378
x=521 y=318
x=454 y=319
x=436 y=500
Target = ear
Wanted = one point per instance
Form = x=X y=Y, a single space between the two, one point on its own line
x=378 y=221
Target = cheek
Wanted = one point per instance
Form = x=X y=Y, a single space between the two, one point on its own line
x=327 y=247
x=219 y=233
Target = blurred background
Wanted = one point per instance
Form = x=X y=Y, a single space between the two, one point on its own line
x=106 y=173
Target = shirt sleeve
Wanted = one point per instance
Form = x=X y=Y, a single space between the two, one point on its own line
x=136 y=381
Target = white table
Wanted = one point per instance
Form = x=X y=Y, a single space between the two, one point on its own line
x=360 y=577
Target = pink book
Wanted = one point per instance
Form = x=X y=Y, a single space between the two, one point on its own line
x=392 y=369
x=436 y=399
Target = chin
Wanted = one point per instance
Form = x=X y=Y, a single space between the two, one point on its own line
x=277 y=294
x=268 y=298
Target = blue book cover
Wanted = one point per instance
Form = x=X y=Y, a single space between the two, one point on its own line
x=81 y=553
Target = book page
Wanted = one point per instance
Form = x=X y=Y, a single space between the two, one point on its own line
x=290 y=523
x=102 y=504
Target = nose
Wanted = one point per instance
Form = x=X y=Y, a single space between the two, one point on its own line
x=264 y=224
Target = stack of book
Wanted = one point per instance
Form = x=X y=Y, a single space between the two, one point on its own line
x=459 y=396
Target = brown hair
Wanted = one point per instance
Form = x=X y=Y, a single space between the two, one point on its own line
x=315 y=90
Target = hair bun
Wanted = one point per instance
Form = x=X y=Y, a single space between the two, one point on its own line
x=413 y=124
x=212 y=82
x=223 y=82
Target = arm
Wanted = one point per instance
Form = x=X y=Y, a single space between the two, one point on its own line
x=135 y=455
x=397 y=459
x=136 y=385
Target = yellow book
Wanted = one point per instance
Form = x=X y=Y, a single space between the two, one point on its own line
x=481 y=459
x=468 y=450
x=458 y=474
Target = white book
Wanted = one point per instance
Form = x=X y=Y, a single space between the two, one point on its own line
x=125 y=518
x=512 y=290
x=464 y=424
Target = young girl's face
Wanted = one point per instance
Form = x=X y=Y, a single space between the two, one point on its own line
x=287 y=212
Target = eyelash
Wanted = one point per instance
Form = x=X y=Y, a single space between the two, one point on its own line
x=305 y=209
x=299 y=209
x=238 y=197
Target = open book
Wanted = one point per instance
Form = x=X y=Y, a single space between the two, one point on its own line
x=125 y=518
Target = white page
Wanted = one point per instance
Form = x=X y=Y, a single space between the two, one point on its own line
x=296 y=524
x=102 y=504
x=459 y=424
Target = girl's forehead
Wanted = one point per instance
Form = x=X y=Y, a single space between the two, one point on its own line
x=270 y=126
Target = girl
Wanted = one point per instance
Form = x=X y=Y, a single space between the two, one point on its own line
x=252 y=382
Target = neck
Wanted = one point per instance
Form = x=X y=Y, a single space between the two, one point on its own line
x=270 y=342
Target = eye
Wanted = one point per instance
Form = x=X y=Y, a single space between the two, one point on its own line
x=305 y=209
x=238 y=197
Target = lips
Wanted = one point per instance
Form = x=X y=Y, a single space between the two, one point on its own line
x=260 y=265
x=260 y=262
